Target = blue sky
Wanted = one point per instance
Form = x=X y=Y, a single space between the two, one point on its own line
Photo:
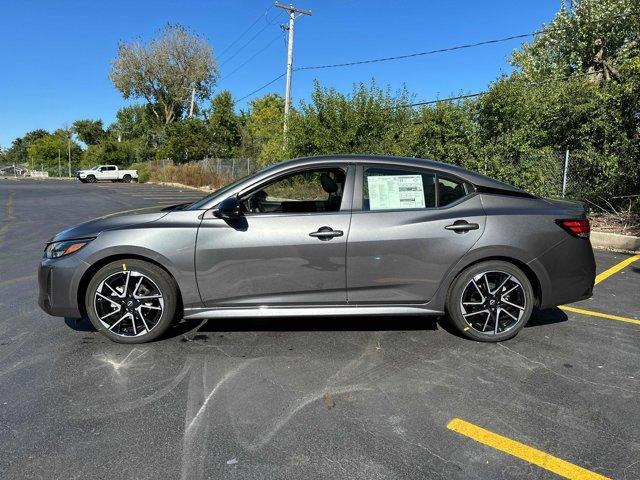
x=56 y=55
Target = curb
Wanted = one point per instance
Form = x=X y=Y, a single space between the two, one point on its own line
x=615 y=241
x=181 y=185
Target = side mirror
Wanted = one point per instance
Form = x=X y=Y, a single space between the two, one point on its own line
x=228 y=208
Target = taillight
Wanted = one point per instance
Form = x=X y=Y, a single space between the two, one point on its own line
x=577 y=228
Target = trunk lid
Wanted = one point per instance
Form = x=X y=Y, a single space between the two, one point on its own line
x=573 y=208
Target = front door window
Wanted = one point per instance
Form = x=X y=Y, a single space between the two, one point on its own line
x=309 y=191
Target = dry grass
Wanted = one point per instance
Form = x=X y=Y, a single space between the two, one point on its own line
x=189 y=174
x=624 y=223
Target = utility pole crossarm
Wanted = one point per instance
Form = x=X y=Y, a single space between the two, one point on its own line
x=293 y=9
x=292 y=16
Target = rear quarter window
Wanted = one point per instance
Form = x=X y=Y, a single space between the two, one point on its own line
x=450 y=191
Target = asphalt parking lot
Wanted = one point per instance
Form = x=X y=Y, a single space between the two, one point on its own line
x=307 y=398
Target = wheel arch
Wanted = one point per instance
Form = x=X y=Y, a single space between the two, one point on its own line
x=93 y=269
x=526 y=269
x=534 y=271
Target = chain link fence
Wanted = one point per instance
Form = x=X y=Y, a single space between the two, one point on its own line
x=208 y=172
x=573 y=175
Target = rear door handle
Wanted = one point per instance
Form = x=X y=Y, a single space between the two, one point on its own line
x=326 y=233
x=461 y=226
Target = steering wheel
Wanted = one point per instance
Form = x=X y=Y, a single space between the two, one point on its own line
x=255 y=201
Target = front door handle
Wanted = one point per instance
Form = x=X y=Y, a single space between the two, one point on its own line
x=326 y=233
x=461 y=226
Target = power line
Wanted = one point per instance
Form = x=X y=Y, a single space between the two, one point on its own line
x=251 y=57
x=418 y=54
x=244 y=33
x=448 y=99
x=399 y=57
x=246 y=44
x=478 y=94
x=439 y=50
x=262 y=87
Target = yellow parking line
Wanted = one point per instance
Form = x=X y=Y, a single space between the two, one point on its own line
x=522 y=451
x=616 y=268
x=598 y=314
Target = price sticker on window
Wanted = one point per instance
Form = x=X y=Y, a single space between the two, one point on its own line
x=391 y=192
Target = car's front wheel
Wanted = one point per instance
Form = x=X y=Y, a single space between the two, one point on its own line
x=131 y=301
x=126 y=178
x=490 y=301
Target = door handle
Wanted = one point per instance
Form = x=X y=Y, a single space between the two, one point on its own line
x=461 y=226
x=326 y=233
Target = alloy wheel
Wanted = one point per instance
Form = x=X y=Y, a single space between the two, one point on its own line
x=128 y=303
x=493 y=302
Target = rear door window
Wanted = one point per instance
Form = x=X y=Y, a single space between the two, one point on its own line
x=397 y=189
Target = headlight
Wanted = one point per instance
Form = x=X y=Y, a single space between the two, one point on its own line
x=60 y=249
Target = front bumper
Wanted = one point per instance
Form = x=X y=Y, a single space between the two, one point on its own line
x=58 y=281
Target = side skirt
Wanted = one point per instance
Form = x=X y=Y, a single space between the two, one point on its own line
x=308 y=311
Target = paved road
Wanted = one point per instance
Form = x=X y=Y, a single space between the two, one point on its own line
x=308 y=398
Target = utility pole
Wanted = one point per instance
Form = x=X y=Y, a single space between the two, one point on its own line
x=193 y=99
x=287 y=96
x=564 y=174
x=69 y=146
x=59 y=172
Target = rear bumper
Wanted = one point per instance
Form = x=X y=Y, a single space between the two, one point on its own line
x=571 y=270
x=58 y=282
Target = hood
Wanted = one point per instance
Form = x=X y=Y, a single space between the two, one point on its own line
x=114 y=221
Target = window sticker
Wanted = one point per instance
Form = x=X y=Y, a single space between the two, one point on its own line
x=387 y=192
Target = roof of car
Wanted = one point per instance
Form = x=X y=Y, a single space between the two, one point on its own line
x=468 y=175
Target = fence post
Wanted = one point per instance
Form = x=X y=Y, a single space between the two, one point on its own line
x=248 y=167
x=564 y=175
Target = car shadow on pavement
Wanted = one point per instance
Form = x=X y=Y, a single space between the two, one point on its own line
x=79 y=324
x=548 y=316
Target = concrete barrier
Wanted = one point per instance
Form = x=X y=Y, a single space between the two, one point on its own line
x=615 y=241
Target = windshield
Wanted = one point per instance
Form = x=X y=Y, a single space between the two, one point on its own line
x=199 y=204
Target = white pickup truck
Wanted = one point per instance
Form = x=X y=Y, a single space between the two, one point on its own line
x=106 y=172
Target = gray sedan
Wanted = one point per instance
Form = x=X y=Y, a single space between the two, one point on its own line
x=327 y=236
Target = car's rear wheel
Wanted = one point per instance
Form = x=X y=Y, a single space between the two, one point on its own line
x=131 y=301
x=490 y=301
x=126 y=179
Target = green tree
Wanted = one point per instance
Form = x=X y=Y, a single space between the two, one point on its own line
x=46 y=151
x=186 y=141
x=165 y=71
x=112 y=152
x=224 y=126
x=369 y=120
x=593 y=38
x=446 y=132
x=17 y=153
x=264 y=126
x=89 y=131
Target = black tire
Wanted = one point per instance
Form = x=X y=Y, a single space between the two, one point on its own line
x=160 y=278
x=126 y=178
x=476 y=321
x=91 y=179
